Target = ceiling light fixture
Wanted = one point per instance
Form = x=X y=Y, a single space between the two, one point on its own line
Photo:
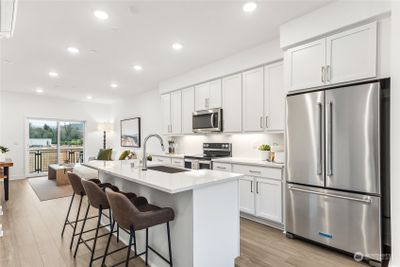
x=137 y=67
x=249 y=7
x=89 y=97
x=100 y=14
x=53 y=74
x=177 y=46
x=73 y=50
x=39 y=90
x=113 y=85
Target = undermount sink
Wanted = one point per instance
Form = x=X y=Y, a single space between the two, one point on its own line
x=166 y=169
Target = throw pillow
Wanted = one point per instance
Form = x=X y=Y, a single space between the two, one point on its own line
x=104 y=154
x=124 y=155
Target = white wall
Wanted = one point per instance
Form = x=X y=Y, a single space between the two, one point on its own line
x=261 y=54
x=16 y=107
x=395 y=134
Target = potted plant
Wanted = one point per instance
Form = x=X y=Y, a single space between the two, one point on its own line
x=265 y=151
x=3 y=151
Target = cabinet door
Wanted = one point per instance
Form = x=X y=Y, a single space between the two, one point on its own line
x=162 y=160
x=232 y=103
x=268 y=199
x=187 y=110
x=215 y=94
x=275 y=96
x=176 y=112
x=246 y=185
x=166 y=113
x=253 y=100
x=201 y=93
x=305 y=65
x=351 y=55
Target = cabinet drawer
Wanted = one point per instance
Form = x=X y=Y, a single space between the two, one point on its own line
x=273 y=173
x=222 y=167
x=162 y=160
x=177 y=162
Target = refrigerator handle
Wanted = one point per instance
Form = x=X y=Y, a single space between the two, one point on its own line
x=329 y=171
x=319 y=147
x=364 y=200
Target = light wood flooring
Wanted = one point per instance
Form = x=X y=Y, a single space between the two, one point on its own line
x=32 y=238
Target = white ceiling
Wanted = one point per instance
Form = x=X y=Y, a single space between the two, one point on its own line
x=135 y=33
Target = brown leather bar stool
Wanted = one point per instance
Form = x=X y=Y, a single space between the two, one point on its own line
x=78 y=190
x=135 y=215
x=98 y=200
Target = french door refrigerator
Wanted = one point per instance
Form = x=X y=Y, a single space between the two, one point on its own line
x=333 y=189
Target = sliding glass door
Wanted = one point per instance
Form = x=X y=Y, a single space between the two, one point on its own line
x=53 y=142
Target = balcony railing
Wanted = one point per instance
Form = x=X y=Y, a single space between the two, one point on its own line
x=40 y=158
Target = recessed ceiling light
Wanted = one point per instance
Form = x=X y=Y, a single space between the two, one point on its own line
x=73 y=50
x=249 y=7
x=53 y=74
x=100 y=14
x=89 y=97
x=137 y=67
x=39 y=90
x=177 y=46
x=113 y=85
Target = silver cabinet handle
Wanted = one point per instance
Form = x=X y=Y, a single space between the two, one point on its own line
x=364 y=200
x=323 y=74
x=319 y=144
x=266 y=122
x=329 y=125
x=328 y=73
x=261 y=122
x=251 y=186
x=251 y=171
x=221 y=168
x=257 y=187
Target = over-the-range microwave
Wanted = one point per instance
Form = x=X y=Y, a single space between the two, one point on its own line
x=206 y=121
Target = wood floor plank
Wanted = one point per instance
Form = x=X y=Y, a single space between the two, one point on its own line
x=33 y=238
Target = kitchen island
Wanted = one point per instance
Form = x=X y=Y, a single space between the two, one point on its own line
x=206 y=229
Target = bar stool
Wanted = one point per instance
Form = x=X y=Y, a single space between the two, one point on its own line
x=135 y=215
x=78 y=190
x=98 y=200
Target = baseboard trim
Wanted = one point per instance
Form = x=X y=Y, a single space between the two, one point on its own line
x=276 y=225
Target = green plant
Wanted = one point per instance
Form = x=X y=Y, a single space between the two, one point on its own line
x=4 y=149
x=264 y=147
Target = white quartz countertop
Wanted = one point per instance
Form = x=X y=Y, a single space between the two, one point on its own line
x=178 y=156
x=167 y=182
x=249 y=161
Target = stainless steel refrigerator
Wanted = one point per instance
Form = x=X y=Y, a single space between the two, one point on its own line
x=333 y=168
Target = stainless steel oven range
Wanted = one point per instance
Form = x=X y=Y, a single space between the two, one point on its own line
x=210 y=151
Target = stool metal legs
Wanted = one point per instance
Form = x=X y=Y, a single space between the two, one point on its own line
x=76 y=222
x=83 y=226
x=95 y=236
x=69 y=210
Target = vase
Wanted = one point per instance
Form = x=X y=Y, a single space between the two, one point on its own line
x=2 y=157
x=264 y=155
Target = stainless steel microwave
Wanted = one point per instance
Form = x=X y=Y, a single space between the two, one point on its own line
x=209 y=120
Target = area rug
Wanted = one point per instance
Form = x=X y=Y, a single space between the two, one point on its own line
x=46 y=189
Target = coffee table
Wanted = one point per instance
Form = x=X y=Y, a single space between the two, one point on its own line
x=59 y=173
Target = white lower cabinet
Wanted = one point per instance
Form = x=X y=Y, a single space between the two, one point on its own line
x=162 y=160
x=177 y=162
x=261 y=196
x=247 y=204
x=268 y=198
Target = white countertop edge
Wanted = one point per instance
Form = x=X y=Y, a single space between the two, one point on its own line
x=233 y=176
x=253 y=162
x=177 y=156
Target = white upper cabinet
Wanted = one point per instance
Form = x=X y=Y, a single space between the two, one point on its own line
x=305 y=65
x=346 y=56
x=253 y=100
x=351 y=55
x=176 y=112
x=208 y=95
x=187 y=110
x=232 y=103
x=275 y=97
x=166 y=113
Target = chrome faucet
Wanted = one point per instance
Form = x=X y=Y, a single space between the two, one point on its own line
x=144 y=160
